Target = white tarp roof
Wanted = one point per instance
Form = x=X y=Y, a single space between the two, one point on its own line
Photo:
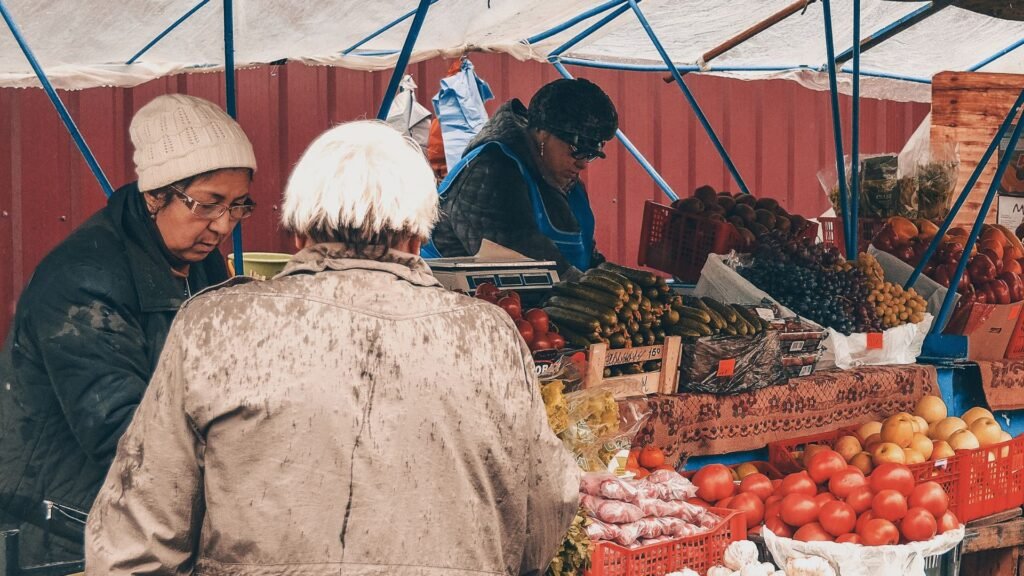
x=84 y=43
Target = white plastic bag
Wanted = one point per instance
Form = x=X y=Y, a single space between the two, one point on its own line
x=900 y=345
x=856 y=560
x=719 y=280
x=409 y=116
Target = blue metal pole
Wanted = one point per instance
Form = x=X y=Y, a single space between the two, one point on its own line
x=889 y=75
x=689 y=97
x=589 y=30
x=851 y=240
x=386 y=27
x=167 y=31
x=573 y=21
x=1004 y=162
x=978 y=169
x=837 y=125
x=230 y=97
x=62 y=111
x=889 y=30
x=682 y=69
x=403 y=59
x=997 y=55
x=631 y=148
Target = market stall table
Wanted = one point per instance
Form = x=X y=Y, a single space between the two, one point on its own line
x=685 y=425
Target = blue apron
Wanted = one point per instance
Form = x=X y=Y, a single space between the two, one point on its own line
x=576 y=247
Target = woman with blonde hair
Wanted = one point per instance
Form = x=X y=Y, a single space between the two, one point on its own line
x=350 y=416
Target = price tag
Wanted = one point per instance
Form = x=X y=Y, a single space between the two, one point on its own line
x=875 y=341
x=806 y=370
x=943 y=463
x=796 y=346
x=726 y=367
x=765 y=313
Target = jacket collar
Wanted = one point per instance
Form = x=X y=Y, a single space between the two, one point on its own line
x=337 y=256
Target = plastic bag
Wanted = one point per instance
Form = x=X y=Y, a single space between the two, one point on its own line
x=629 y=533
x=698 y=516
x=611 y=511
x=459 y=106
x=882 y=192
x=730 y=365
x=672 y=485
x=658 y=508
x=609 y=486
x=407 y=115
x=899 y=345
x=933 y=170
x=599 y=427
x=597 y=530
x=719 y=280
x=902 y=560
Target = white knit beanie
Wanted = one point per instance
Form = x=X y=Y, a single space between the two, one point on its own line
x=178 y=136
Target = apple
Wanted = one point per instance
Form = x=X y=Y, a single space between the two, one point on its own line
x=863 y=462
x=867 y=429
x=986 y=430
x=898 y=430
x=941 y=449
x=975 y=413
x=964 y=440
x=848 y=447
x=923 y=445
x=888 y=452
x=1000 y=290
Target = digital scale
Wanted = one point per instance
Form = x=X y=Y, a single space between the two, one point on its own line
x=467 y=273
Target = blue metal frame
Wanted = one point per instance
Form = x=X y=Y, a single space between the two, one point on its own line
x=947 y=303
x=851 y=240
x=62 y=111
x=888 y=31
x=889 y=75
x=574 y=21
x=230 y=98
x=167 y=31
x=403 y=58
x=621 y=136
x=557 y=52
x=965 y=193
x=380 y=31
x=689 y=97
x=997 y=56
x=837 y=125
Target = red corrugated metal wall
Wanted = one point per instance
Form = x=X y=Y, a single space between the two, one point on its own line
x=779 y=135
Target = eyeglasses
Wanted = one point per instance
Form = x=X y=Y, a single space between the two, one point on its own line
x=578 y=154
x=212 y=210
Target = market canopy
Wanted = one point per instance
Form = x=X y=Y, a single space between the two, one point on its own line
x=85 y=44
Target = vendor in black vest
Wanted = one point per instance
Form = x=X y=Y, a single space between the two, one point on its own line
x=90 y=325
x=518 y=182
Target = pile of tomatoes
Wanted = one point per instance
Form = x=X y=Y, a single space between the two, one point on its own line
x=533 y=324
x=833 y=501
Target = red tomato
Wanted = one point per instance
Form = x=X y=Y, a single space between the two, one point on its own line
x=879 y=532
x=698 y=502
x=772 y=499
x=757 y=484
x=842 y=483
x=863 y=519
x=889 y=504
x=850 y=538
x=860 y=499
x=539 y=319
x=931 y=497
x=824 y=497
x=798 y=483
x=948 y=522
x=837 y=518
x=512 y=306
x=724 y=502
x=776 y=484
x=714 y=482
x=778 y=527
x=918 y=525
x=751 y=505
x=510 y=294
x=812 y=532
x=798 y=509
x=773 y=510
x=487 y=289
x=526 y=331
x=540 y=342
x=889 y=476
x=557 y=342
x=823 y=464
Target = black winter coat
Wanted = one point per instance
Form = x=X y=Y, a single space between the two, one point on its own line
x=489 y=198
x=86 y=337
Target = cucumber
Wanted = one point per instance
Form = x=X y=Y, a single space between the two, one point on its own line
x=726 y=312
x=651 y=293
x=617 y=341
x=716 y=319
x=692 y=325
x=638 y=339
x=730 y=331
x=670 y=317
x=694 y=313
x=678 y=330
x=630 y=369
x=626 y=283
x=583 y=323
x=575 y=338
x=624 y=315
x=610 y=286
x=587 y=294
x=649 y=338
x=644 y=279
x=606 y=316
x=633 y=305
x=747 y=314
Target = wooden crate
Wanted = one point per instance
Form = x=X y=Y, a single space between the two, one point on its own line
x=967 y=108
x=660 y=382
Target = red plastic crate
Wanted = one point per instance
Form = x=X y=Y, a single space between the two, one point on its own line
x=678 y=243
x=992 y=479
x=698 y=553
x=832 y=231
x=948 y=472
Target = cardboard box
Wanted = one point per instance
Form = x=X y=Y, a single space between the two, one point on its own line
x=988 y=328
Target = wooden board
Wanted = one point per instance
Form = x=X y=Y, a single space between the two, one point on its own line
x=663 y=381
x=1003 y=535
x=967 y=108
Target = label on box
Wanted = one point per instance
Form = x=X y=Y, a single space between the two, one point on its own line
x=796 y=346
x=726 y=367
x=875 y=341
x=806 y=370
x=1010 y=211
x=765 y=313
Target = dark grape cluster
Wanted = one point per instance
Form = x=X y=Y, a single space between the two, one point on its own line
x=804 y=277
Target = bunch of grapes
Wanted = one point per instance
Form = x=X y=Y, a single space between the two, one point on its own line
x=893 y=305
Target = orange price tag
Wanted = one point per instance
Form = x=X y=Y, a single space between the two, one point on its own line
x=726 y=367
x=875 y=341
x=1014 y=312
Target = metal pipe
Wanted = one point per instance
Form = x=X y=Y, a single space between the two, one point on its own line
x=689 y=97
x=62 y=111
x=851 y=240
x=403 y=58
x=167 y=31
x=890 y=30
x=589 y=30
x=681 y=68
x=837 y=126
x=1004 y=162
x=996 y=56
x=232 y=109
x=386 y=27
x=573 y=21
x=755 y=30
x=962 y=198
x=889 y=75
x=631 y=148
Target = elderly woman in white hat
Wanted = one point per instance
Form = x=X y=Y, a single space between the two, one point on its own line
x=350 y=416
x=91 y=323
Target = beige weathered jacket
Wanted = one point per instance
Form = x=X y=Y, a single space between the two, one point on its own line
x=350 y=417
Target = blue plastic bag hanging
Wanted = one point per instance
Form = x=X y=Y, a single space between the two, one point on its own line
x=459 y=106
